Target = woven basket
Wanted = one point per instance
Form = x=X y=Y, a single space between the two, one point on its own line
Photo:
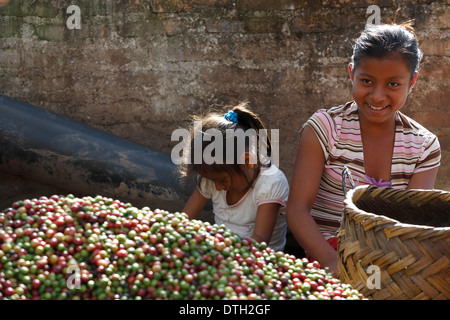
x=395 y=244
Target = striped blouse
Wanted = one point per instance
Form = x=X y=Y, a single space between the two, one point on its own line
x=415 y=149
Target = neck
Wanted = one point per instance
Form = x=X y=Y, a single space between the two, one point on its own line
x=378 y=128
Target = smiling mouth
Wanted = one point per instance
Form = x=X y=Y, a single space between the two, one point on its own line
x=376 y=108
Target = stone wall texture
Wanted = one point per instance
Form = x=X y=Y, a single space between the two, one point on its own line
x=140 y=69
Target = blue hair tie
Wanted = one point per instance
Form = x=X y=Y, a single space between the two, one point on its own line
x=231 y=116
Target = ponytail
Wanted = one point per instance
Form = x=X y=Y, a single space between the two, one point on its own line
x=249 y=120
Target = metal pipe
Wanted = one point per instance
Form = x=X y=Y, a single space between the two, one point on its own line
x=54 y=150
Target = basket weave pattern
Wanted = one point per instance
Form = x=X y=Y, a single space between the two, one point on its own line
x=413 y=259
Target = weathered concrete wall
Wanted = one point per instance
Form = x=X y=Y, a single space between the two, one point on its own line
x=140 y=69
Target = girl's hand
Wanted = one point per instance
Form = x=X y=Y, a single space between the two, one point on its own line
x=332 y=267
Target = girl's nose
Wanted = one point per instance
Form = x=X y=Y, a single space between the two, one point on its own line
x=378 y=94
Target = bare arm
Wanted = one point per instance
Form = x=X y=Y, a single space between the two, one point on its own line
x=423 y=180
x=266 y=217
x=305 y=183
x=195 y=205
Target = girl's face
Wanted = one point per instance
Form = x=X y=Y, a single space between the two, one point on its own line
x=231 y=182
x=380 y=86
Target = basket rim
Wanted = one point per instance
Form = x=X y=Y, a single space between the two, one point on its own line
x=348 y=202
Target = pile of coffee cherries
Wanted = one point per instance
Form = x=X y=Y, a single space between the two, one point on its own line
x=66 y=247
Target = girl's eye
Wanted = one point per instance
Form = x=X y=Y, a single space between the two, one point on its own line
x=393 y=84
x=366 y=81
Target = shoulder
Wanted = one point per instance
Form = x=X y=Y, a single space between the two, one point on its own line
x=272 y=173
x=331 y=119
x=344 y=110
x=272 y=182
x=419 y=142
x=206 y=187
x=327 y=123
x=417 y=132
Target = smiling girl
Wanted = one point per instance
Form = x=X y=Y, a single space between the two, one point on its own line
x=247 y=191
x=369 y=135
